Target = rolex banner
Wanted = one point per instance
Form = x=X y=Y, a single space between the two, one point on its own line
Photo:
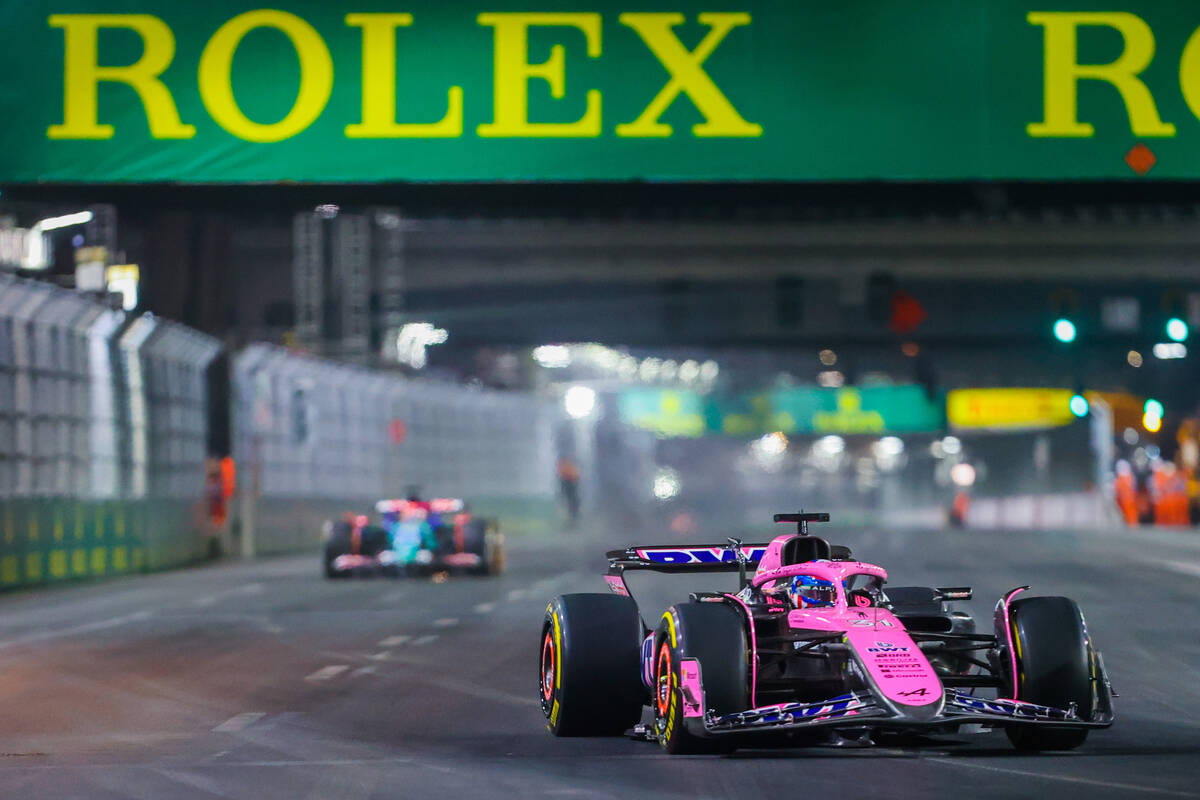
x=569 y=90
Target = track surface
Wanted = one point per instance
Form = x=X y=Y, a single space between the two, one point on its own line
x=261 y=680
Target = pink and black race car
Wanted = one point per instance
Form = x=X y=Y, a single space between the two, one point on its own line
x=813 y=648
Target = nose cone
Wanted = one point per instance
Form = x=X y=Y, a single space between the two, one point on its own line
x=897 y=666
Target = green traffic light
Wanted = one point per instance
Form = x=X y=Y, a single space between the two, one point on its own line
x=1153 y=408
x=1177 y=329
x=1079 y=405
x=1064 y=330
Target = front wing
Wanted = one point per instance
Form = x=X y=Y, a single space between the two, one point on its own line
x=366 y=566
x=862 y=710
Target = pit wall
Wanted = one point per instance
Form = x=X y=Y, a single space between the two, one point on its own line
x=103 y=435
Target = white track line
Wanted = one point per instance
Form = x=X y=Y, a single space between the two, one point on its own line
x=423 y=640
x=210 y=600
x=445 y=622
x=1128 y=787
x=384 y=656
x=485 y=608
x=62 y=633
x=327 y=673
x=239 y=722
x=393 y=641
x=1180 y=567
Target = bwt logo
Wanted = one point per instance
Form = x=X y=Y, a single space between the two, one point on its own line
x=886 y=647
x=700 y=555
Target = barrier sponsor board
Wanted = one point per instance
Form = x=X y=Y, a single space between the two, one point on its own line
x=803 y=410
x=366 y=91
x=1009 y=409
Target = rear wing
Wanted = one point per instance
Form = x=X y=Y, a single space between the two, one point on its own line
x=683 y=558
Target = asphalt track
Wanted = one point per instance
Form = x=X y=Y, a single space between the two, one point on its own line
x=262 y=680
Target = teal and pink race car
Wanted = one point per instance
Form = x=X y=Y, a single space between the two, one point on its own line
x=813 y=648
x=414 y=537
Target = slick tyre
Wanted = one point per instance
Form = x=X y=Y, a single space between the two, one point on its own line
x=589 y=658
x=713 y=634
x=336 y=545
x=374 y=540
x=1054 y=668
x=483 y=538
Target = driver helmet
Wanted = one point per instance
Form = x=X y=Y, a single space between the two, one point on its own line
x=805 y=591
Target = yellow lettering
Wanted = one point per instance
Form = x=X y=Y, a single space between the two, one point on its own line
x=82 y=75
x=1189 y=72
x=379 y=85
x=1063 y=73
x=512 y=73
x=687 y=75
x=316 y=76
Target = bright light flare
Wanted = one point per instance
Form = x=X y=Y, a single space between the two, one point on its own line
x=1177 y=329
x=1168 y=350
x=65 y=221
x=579 y=401
x=1079 y=405
x=413 y=338
x=1064 y=330
x=552 y=356
x=962 y=475
x=666 y=484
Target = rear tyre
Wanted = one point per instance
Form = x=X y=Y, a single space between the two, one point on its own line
x=374 y=540
x=714 y=635
x=336 y=545
x=1054 y=668
x=483 y=538
x=589 y=673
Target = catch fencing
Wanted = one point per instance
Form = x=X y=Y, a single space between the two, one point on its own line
x=103 y=437
x=315 y=438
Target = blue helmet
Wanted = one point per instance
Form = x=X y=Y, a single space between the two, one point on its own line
x=806 y=591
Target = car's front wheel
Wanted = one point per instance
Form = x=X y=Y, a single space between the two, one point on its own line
x=713 y=635
x=1055 y=667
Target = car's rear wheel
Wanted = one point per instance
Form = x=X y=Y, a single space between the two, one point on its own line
x=337 y=544
x=589 y=676
x=714 y=635
x=1055 y=667
x=483 y=538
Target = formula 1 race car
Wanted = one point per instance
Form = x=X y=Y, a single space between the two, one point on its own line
x=813 y=648
x=416 y=537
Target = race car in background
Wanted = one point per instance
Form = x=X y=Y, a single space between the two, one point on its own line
x=414 y=537
x=812 y=647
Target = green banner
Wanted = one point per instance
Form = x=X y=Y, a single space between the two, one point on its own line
x=804 y=410
x=850 y=410
x=365 y=91
x=667 y=412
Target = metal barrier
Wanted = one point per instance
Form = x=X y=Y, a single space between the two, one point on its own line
x=314 y=438
x=102 y=437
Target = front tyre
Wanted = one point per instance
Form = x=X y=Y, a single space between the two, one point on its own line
x=1055 y=667
x=589 y=676
x=714 y=635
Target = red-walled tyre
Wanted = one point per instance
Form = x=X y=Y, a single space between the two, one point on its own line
x=589 y=678
x=713 y=634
